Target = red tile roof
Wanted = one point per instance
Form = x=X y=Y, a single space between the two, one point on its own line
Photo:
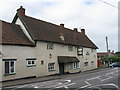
x=102 y=54
x=13 y=35
x=45 y=31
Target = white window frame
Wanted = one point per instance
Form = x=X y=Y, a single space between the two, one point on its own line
x=10 y=68
x=31 y=60
x=50 y=45
x=51 y=66
x=85 y=64
x=74 y=65
x=70 y=48
x=80 y=51
x=92 y=63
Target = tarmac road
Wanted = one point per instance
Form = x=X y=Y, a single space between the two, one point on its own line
x=105 y=79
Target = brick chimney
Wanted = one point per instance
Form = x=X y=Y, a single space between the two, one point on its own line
x=83 y=31
x=75 y=35
x=21 y=11
x=62 y=31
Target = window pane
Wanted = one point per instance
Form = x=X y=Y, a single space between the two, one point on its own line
x=29 y=62
x=12 y=67
x=77 y=65
x=33 y=62
x=6 y=67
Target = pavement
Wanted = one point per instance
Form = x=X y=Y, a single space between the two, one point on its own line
x=44 y=78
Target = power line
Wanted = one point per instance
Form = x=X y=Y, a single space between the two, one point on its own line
x=109 y=4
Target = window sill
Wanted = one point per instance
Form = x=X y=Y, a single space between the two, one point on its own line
x=31 y=66
x=51 y=70
x=74 y=68
x=9 y=74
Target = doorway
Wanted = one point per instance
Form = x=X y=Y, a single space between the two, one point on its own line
x=61 y=68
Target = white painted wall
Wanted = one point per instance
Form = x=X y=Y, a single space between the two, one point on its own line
x=20 y=53
x=61 y=50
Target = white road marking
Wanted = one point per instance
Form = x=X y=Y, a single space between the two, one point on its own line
x=110 y=84
x=66 y=86
x=36 y=87
x=105 y=79
x=93 y=78
x=67 y=81
x=88 y=84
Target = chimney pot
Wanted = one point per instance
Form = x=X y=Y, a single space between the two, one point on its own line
x=61 y=25
x=108 y=51
x=112 y=51
x=75 y=29
x=83 y=31
x=21 y=11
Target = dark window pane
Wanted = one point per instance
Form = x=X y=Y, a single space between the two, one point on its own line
x=33 y=62
x=29 y=62
x=6 y=67
x=12 y=66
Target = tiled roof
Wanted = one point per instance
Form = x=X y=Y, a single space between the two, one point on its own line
x=13 y=35
x=102 y=54
x=45 y=31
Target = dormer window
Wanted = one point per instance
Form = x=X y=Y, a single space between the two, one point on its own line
x=50 y=46
x=70 y=48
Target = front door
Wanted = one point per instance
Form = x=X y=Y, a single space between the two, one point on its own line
x=61 y=68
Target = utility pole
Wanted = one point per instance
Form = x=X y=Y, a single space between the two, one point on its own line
x=107 y=51
x=107 y=44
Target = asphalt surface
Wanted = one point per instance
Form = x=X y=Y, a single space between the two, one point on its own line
x=106 y=79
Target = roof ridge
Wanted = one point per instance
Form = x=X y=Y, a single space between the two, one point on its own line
x=48 y=22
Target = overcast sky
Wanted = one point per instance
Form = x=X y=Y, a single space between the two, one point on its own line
x=96 y=17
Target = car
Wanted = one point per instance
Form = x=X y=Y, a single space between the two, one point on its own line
x=115 y=64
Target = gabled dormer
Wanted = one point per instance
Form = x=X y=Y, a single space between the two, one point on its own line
x=18 y=20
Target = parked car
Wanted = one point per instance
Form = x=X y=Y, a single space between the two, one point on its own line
x=115 y=64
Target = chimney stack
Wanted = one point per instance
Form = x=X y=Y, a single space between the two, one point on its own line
x=83 y=31
x=62 y=31
x=112 y=51
x=75 y=35
x=21 y=11
x=75 y=29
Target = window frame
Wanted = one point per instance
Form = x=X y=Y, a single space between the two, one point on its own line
x=85 y=64
x=92 y=63
x=51 y=66
x=74 y=65
x=31 y=60
x=50 y=46
x=70 y=48
x=10 y=67
x=80 y=51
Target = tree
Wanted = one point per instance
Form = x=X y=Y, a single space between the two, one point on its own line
x=118 y=53
x=111 y=58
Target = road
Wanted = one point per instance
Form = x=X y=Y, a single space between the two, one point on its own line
x=105 y=79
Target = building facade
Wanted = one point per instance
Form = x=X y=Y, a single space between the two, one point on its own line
x=34 y=48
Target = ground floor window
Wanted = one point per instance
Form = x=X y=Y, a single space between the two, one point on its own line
x=9 y=67
x=74 y=65
x=51 y=66
x=31 y=62
x=92 y=63
x=85 y=64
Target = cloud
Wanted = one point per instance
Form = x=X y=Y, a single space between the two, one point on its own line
x=98 y=18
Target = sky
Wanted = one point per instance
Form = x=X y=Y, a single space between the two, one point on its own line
x=99 y=18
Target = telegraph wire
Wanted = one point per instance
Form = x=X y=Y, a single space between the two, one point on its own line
x=109 y=4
